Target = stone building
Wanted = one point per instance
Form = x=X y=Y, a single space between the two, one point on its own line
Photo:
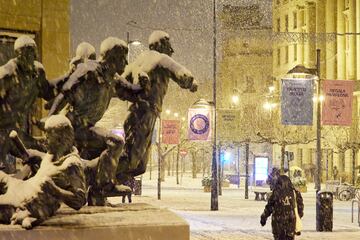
x=245 y=75
x=333 y=26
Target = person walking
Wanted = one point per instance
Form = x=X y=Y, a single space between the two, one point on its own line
x=282 y=204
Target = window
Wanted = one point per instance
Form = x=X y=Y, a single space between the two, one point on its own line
x=295 y=52
x=295 y=19
x=286 y=23
x=278 y=25
x=278 y=56
x=286 y=54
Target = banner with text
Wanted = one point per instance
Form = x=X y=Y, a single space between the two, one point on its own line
x=170 y=130
x=297 y=101
x=199 y=128
x=228 y=121
x=337 y=107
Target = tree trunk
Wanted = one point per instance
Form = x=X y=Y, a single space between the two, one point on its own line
x=203 y=163
x=169 y=166
x=163 y=167
x=282 y=161
x=177 y=164
x=353 y=165
x=193 y=160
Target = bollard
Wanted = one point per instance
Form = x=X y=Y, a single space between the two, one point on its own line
x=324 y=211
x=352 y=211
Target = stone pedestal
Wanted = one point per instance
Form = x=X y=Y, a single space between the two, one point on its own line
x=125 y=222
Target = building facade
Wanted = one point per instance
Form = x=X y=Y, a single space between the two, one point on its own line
x=333 y=26
x=245 y=75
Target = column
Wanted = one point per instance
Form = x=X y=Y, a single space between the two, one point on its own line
x=348 y=161
x=306 y=31
x=331 y=163
x=320 y=30
x=311 y=22
x=336 y=159
x=341 y=63
x=358 y=39
x=306 y=163
x=351 y=58
x=300 y=19
x=330 y=53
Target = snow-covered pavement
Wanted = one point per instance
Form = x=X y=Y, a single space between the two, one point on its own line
x=237 y=218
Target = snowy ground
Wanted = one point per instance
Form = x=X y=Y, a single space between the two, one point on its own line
x=236 y=218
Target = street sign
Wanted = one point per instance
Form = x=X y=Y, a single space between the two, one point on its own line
x=183 y=152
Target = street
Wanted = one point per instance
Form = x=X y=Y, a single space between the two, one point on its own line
x=236 y=218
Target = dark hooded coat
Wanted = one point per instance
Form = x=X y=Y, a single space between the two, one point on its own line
x=281 y=206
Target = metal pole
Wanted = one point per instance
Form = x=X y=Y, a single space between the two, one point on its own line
x=220 y=169
x=238 y=166
x=177 y=164
x=353 y=166
x=247 y=170
x=159 y=161
x=214 y=186
x=318 y=126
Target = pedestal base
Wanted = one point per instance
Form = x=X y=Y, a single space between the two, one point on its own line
x=125 y=222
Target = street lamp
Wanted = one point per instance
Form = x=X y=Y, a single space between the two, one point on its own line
x=131 y=43
x=308 y=73
x=203 y=104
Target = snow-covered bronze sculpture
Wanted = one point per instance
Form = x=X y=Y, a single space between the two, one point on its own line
x=60 y=179
x=84 y=52
x=159 y=67
x=22 y=81
x=89 y=90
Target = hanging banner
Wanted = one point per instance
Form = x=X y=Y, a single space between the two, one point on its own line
x=199 y=127
x=170 y=130
x=297 y=101
x=228 y=121
x=337 y=107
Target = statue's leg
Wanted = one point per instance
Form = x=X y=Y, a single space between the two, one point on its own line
x=105 y=176
x=6 y=211
x=137 y=147
x=89 y=143
x=4 y=150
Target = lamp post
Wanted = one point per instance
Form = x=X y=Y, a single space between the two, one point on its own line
x=202 y=105
x=300 y=69
x=214 y=166
x=131 y=43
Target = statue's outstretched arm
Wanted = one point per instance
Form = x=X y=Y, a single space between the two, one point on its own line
x=58 y=104
x=178 y=73
x=47 y=91
x=128 y=91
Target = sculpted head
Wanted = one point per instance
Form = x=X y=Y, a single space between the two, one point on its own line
x=113 y=51
x=160 y=41
x=59 y=134
x=25 y=49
